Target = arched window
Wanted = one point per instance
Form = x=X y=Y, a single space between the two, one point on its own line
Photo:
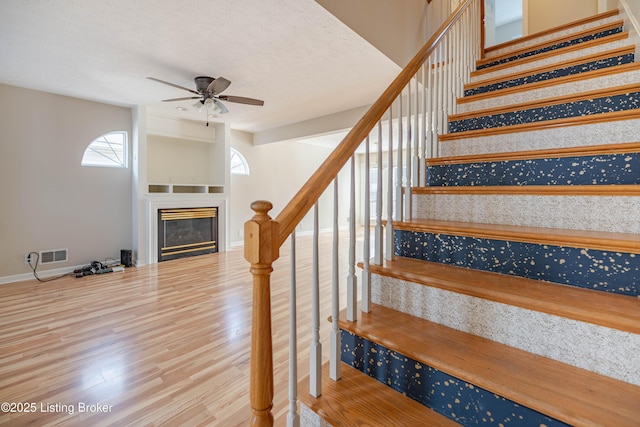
x=108 y=150
x=239 y=164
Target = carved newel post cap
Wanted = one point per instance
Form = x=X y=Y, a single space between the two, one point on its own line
x=260 y=235
x=261 y=207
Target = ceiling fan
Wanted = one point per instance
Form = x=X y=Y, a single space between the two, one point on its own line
x=208 y=91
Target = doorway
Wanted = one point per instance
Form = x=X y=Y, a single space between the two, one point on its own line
x=503 y=20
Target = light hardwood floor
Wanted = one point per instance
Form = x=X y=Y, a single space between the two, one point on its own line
x=165 y=344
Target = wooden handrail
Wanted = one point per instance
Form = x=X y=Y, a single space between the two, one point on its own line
x=311 y=191
x=264 y=236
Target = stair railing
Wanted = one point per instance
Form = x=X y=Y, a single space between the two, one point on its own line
x=405 y=122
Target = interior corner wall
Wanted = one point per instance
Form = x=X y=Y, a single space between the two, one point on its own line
x=545 y=14
x=396 y=28
x=277 y=172
x=50 y=201
x=634 y=9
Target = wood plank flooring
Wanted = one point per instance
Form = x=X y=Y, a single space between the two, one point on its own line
x=166 y=344
x=358 y=400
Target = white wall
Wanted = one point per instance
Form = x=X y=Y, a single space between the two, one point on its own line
x=509 y=31
x=396 y=28
x=633 y=7
x=278 y=171
x=48 y=200
x=545 y=14
x=180 y=161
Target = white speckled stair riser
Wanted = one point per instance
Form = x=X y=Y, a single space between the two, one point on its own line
x=595 y=213
x=565 y=89
x=554 y=59
x=553 y=36
x=308 y=418
x=598 y=349
x=616 y=132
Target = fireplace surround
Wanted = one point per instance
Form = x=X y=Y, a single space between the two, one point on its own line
x=148 y=253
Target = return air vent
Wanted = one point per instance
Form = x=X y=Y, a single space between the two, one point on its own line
x=57 y=255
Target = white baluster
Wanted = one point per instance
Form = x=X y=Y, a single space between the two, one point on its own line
x=456 y=60
x=456 y=53
x=399 y=213
x=424 y=138
x=415 y=166
x=437 y=106
x=389 y=226
x=379 y=231
x=442 y=96
x=366 y=250
x=449 y=70
x=293 y=419
x=352 y=280
x=315 y=352
x=478 y=29
x=445 y=75
x=406 y=195
x=334 y=355
x=430 y=102
x=467 y=28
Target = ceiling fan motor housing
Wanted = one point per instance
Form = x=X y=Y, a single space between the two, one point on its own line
x=202 y=83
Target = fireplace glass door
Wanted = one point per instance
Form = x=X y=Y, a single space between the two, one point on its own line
x=187 y=232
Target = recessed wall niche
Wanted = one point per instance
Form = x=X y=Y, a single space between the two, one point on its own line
x=184 y=162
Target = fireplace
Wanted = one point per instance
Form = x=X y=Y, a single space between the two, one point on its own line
x=184 y=232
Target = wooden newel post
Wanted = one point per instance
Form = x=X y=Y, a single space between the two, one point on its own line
x=261 y=249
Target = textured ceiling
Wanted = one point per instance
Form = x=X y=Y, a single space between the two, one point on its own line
x=301 y=60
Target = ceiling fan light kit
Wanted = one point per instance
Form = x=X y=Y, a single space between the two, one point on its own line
x=208 y=91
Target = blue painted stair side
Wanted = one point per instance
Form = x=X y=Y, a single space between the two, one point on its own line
x=553 y=74
x=458 y=400
x=604 y=169
x=586 y=107
x=586 y=268
x=556 y=46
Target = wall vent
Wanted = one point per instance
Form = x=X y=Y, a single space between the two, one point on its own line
x=56 y=255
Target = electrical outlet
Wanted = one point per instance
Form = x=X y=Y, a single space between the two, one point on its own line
x=27 y=258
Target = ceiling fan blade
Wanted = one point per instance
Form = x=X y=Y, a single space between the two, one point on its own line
x=218 y=85
x=181 y=99
x=174 y=85
x=241 y=100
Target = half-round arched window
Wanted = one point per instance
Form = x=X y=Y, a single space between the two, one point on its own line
x=108 y=150
x=239 y=164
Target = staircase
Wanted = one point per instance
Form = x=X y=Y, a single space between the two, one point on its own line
x=513 y=295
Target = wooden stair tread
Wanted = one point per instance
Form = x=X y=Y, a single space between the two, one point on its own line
x=359 y=400
x=556 y=29
x=564 y=392
x=552 y=42
x=600 y=240
x=614 y=311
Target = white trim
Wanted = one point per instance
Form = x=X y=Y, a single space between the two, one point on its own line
x=630 y=15
x=42 y=274
x=602 y=6
x=525 y=18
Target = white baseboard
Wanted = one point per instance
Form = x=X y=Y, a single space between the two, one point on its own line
x=44 y=274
